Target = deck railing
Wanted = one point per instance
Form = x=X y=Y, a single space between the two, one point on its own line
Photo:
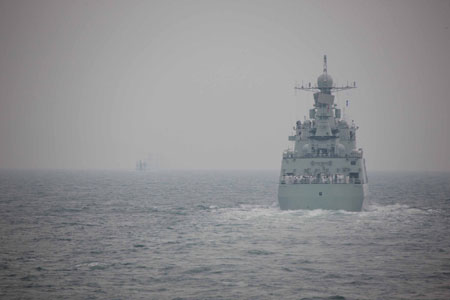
x=322 y=155
x=322 y=180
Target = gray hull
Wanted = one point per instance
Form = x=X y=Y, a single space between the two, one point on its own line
x=348 y=197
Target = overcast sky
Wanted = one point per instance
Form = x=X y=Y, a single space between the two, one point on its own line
x=209 y=84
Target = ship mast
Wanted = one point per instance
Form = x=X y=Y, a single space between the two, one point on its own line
x=328 y=89
x=325 y=112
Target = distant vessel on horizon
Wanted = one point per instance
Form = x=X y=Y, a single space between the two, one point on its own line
x=141 y=165
x=325 y=170
x=153 y=162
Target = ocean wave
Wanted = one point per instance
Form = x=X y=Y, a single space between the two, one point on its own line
x=259 y=252
x=335 y=297
x=398 y=209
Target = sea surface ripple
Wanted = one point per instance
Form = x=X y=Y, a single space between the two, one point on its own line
x=217 y=235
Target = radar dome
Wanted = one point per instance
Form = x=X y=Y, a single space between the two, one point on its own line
x=324 y=81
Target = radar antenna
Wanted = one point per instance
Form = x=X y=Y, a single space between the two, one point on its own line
x=316 y=88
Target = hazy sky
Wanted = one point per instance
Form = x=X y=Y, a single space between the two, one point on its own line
x=209 y=84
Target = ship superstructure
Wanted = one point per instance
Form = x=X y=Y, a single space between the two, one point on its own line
x=325 y=170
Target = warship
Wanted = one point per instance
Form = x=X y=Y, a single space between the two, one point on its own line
x=325 y=169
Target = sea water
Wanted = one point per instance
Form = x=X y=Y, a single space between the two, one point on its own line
x=217 y=235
